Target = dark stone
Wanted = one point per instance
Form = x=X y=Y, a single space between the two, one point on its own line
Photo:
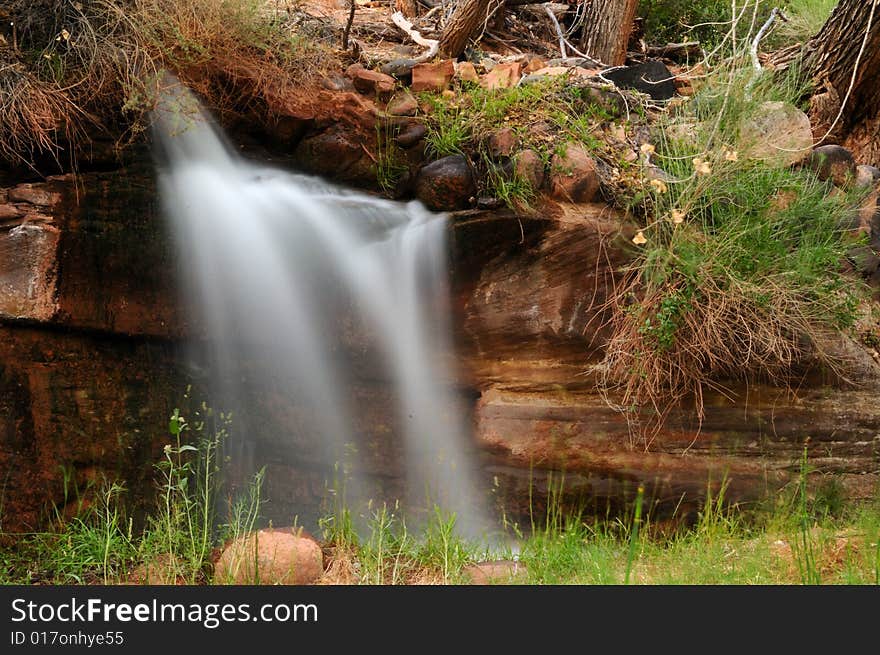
x=403 y=104
x=399 y=68
x=446 y=184
x=411 y=135
x=290 y=130
x=433 y=77
x=573 y=175
x=336 y=155
x=865 y=260
x=867 y=176
x=370 y=82
x=834 y=163
x=651 y=77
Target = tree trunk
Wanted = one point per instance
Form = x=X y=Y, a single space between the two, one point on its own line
x=607 y=26
x=832 y=56
x=467 y=19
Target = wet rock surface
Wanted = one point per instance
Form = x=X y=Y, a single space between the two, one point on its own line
x=446 y=184
x=88 y=383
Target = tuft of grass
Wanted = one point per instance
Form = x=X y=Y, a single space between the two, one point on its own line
x=94 y=546
x=390 y=166
x=442 y=549
x=634 y=534
x=35 y=115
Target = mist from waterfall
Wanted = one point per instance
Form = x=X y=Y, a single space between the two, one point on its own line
x=288 y=274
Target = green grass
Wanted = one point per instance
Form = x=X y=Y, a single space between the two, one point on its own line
x=793 y=539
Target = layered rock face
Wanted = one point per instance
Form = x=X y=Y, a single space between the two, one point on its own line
x=91 y=367
x=532 y=338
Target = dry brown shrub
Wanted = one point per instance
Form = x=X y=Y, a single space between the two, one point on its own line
x=99 y=61
x=342 y=569
x=33 y=114
x=724 y=335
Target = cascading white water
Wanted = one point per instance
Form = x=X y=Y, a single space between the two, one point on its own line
x=277 y=263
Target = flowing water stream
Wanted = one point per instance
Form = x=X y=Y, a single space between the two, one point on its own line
x=281 y=269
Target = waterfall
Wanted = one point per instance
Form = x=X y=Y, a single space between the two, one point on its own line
x=280 y=269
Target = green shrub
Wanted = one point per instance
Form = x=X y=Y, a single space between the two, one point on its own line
x=738 y=273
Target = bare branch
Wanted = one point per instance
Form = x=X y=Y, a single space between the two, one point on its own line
x=432 y=45
x=776 y=13
x=558 y=30
x=347 y=30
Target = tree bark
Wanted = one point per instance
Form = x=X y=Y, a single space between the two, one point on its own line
x=465 y=22
x=607 y=26
x=832 y=56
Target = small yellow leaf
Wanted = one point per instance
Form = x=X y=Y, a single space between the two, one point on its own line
x=659 y=186
x=677 y=217
x=701 y=167
x=731 y=155
x=639 y=238
x=647 y=149
x=65 y=35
